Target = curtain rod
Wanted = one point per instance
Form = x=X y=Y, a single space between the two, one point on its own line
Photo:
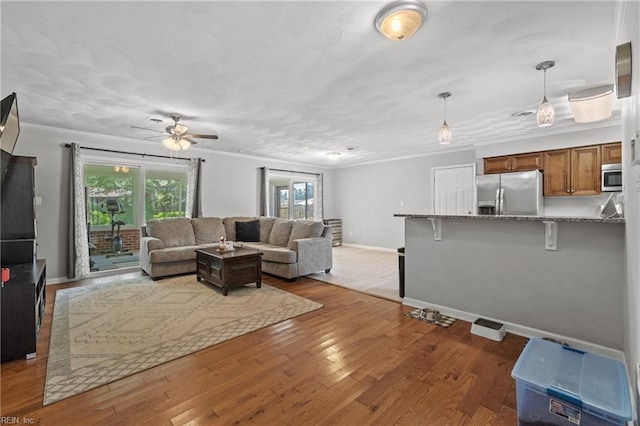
x=292 y=171
x=68 y=145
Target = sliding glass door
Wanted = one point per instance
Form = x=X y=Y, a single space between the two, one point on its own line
x=293 y=197
x=122 y=197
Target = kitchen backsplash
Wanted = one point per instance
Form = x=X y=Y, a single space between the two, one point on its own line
x=585 y=206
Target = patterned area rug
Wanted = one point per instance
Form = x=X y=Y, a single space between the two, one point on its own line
x=439 y=319
x=104 y=332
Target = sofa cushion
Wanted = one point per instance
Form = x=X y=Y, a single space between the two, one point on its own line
x=266 y=225
x=174 y=254
x=248 y=231
x=173 y=232
x=208 y=229
x=230 y=225
x=273 y=253
x=281 y=232
x=305 y=229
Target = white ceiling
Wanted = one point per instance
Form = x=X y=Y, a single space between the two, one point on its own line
x=293 y=80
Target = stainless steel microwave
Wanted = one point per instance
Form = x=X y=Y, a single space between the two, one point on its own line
x=611 y=177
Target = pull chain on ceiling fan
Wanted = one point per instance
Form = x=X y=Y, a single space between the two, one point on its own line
x=179 y=137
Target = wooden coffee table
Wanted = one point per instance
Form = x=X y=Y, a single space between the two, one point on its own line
x=229 y=269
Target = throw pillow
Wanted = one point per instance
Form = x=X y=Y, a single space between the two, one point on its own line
x=248 y=231
x=280 y=232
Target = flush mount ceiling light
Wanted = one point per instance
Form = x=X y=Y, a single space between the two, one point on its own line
x=333 y=155
x=445 y=134
x=545 y=113
x=590 y=105
x=175 y=143
x=401 y=19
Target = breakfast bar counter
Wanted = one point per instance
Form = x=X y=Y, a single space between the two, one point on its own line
x=558 y=277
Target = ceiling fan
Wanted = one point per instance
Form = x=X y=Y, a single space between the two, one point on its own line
x=178 y=136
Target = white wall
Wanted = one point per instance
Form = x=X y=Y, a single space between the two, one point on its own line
x=630 y=31
x=366 y=197
x=229 y=182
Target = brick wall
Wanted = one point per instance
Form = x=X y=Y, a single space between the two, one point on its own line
x=102 y=240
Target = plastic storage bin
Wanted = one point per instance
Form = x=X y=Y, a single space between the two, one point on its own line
x=558 y=385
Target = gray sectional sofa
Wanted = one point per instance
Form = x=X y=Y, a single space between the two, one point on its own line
x=291 y=248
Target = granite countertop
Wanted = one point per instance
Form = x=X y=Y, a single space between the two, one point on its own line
x=520 y=218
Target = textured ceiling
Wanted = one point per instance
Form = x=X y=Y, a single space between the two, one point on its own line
x=293 y=80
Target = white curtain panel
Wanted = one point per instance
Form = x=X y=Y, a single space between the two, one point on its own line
x=79 y=241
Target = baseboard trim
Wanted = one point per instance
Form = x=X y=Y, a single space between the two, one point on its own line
x=362 y=246
x=518 y=329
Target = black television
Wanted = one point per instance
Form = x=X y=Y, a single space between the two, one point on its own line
x=9 y=130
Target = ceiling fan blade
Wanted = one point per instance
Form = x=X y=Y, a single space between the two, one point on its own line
x=144 y=128
x=155 y=137
x=201 y=136
x=191 y=141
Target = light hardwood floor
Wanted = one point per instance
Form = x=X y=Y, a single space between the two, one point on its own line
x=357 y=361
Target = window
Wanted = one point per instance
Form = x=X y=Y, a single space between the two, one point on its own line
x=165 y=194
x=293 y=197
x=114 y=183
x=133 y=194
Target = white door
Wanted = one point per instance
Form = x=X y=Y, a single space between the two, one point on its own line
x=453 y=189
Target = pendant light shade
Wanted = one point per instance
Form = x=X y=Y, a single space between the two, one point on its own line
x=445 y=134
x=401 y=19
x=545 y=114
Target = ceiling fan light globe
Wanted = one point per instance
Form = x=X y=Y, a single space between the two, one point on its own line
x=184 y=144
x=171 y=144
x=545 y=114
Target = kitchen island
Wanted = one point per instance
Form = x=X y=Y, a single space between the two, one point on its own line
x=558 y=277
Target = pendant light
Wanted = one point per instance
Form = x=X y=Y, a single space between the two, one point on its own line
x=445 y=134
x=545 y=113
x=401 y=19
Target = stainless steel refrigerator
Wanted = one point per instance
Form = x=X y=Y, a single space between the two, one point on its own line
x=510 y=194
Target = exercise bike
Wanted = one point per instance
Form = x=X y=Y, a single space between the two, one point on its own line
x=114 y=207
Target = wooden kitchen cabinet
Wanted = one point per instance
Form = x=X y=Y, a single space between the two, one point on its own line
x=574 y=171
x=611 y=153
x=513 y=163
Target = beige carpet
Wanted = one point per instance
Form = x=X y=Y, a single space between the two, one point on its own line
x=104 y=332
x=373 y=272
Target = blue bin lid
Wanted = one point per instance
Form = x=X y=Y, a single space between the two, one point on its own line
x=585 y=379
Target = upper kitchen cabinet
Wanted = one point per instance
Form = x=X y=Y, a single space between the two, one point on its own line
x=611 y=153
x=513 y=163
x=574 y=171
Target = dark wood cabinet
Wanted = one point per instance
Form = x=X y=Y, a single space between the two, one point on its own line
x=574 y=171
x=513 y=163
x=611 y=153
x=18 y=227
x=23 y=300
